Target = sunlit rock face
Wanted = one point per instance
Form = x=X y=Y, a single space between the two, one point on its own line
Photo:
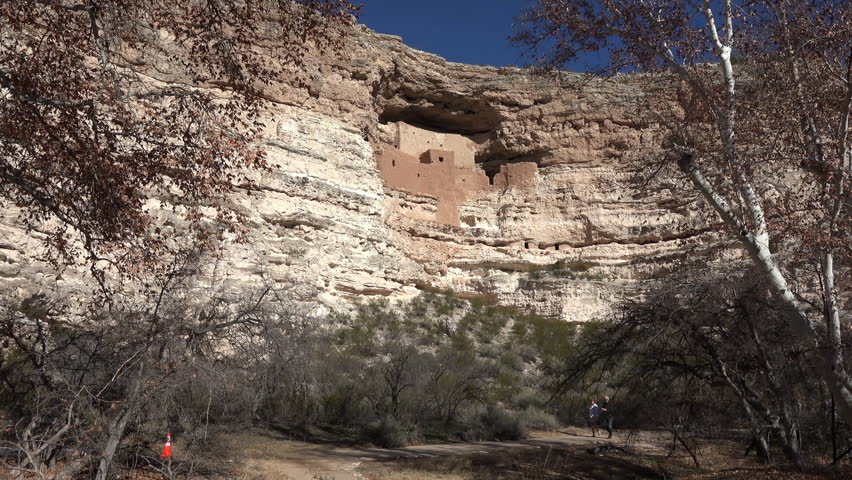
x=394 y=171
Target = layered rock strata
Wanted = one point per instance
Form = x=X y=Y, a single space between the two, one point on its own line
x=524 y=196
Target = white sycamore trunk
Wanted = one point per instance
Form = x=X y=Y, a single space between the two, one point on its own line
x=827 y=363
x=751 y=228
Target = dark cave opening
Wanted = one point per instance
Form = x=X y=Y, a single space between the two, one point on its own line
x=492 y=162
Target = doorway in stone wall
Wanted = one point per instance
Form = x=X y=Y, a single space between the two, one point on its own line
x=491 y=168
x=491 y=174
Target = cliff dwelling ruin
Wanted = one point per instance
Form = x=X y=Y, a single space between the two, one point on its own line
x=443 y=166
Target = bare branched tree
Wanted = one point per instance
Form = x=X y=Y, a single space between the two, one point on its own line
x=83 y=382
x=762 y=91
x=696 y=340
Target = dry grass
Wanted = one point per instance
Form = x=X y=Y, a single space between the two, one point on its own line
x=526 y=464
x=723 y=460
x=272 y=455
x=720 y=460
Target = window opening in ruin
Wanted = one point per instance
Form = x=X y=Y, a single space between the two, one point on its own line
x=418 y=175
x=440 y=159
x=491 y=173
x=526 y=244
x=557 y=246
x=393 y=163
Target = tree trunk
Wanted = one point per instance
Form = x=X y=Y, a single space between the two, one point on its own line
x=757 y=245
x=118 y=425
x=761 y=448
x=759 y=439
x=116 y=433
x=793 y=445
x=788 y=429
x=827 y=363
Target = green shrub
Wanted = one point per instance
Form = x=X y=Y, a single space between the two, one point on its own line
x=513 y=361
x=535 y=418
x=485 y=323
x=527 y=397
x=500 y=424
x=341 y=405
x=387 y=433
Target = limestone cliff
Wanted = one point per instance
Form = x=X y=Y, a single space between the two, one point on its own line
x=532 y=207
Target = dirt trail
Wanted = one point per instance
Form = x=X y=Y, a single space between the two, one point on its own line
x=270 y=457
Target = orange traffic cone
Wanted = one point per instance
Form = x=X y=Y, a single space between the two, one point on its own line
x=167 y=450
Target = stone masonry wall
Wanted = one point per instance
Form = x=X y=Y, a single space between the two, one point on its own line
x=516 y=175
x=414 y=141
x=434 y=174
x=438 y=173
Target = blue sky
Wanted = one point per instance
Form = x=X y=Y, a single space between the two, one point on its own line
x=466 y=31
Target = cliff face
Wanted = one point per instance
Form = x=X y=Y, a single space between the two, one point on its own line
x=524 y=197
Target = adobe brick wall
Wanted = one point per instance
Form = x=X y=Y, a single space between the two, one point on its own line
x=437 y=172
x=470 y=181
x=434 y=174
x=517 y=175
x=414 y=141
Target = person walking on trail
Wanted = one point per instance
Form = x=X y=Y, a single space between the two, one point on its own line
x=594 y=417
x=606 y=416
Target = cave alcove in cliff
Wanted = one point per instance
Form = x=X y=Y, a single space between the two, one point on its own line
x=443 y=112
x=492 y=159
